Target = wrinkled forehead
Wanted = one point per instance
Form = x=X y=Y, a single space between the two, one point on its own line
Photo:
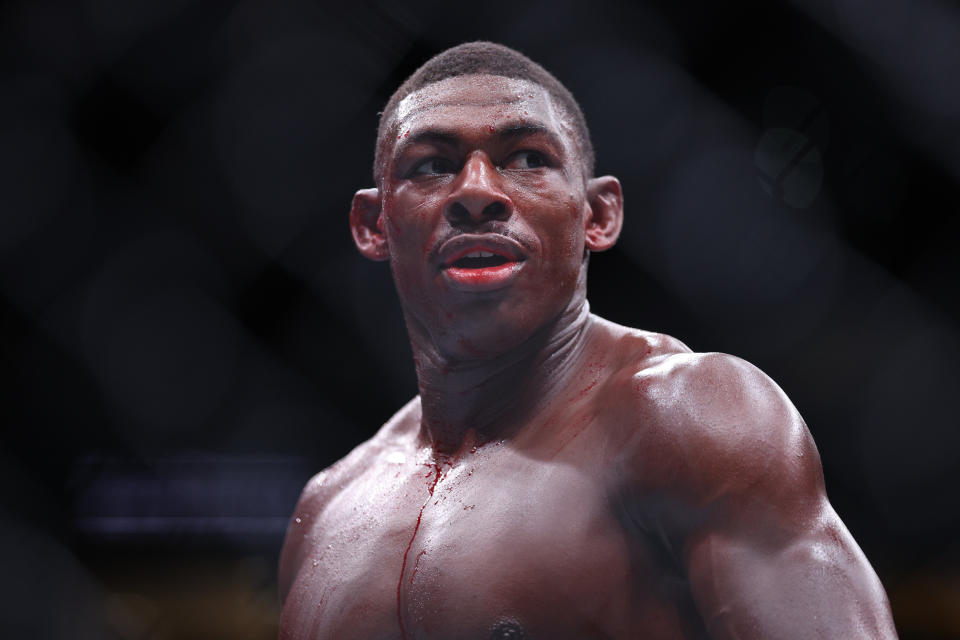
x=477 y=99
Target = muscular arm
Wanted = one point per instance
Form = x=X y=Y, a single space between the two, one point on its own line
x=768 y=558
x=815 y=583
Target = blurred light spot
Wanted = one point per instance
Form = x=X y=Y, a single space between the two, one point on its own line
x=722 y=240
x=787 y=107
x=788 y=154
x=791 y=168
x=172 y=526
x=247 y=498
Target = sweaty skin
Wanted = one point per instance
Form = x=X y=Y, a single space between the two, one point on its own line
x=558 y=475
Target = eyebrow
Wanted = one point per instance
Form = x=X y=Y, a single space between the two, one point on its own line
x=508 y=132
x=526 y=129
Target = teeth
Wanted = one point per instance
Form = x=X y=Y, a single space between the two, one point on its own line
x=479 y=254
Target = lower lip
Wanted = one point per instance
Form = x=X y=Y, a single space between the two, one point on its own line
x=485 y=279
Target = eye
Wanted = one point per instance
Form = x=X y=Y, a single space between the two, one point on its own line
x=526 y=160
x=433 y=167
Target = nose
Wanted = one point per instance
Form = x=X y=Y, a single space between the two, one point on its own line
x=476 y=196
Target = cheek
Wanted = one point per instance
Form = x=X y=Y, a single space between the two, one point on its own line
x=408 y=276
x=541 y=187
x=415 y=201
x=550 y=193
x=411 y=232
x=409 y=215
x=566 y=234
x=424 y=224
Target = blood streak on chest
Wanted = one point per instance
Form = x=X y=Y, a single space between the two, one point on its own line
x=403 y=568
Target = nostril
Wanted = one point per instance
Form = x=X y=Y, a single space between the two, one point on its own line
x=459 y=211
x=462 y=212
x=494 y=209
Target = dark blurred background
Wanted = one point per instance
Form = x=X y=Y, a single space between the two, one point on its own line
x=187 y=333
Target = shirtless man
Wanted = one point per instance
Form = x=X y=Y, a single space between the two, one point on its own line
x=558 y=475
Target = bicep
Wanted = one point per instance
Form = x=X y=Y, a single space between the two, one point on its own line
x=814 y=583
x=769 y=558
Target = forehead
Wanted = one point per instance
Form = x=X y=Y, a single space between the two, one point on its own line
x=478 y=100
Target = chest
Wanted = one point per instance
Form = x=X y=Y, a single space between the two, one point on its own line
x=418 y=551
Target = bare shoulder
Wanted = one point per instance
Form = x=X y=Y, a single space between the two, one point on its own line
x=322 y=487
x=718 y=399
x=719 y=464
x=712 y=428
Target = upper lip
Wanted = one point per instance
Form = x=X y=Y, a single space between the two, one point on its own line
x=459 y=246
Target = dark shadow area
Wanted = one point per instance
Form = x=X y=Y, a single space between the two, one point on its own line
x=187 y=333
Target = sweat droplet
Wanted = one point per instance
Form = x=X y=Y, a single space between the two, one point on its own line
x=297 y=520
x=507 y=631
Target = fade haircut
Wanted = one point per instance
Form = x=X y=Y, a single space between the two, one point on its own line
x=473 y=58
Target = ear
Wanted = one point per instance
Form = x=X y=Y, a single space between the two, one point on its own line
x=605 y=217
x=367 y=225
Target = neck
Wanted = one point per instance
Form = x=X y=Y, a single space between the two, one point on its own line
x=467 y=402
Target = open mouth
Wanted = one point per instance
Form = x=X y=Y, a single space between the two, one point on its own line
x=480 y=260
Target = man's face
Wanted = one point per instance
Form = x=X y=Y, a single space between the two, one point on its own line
x=483 y=208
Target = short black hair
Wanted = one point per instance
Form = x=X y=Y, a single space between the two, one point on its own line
x=495 y=59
